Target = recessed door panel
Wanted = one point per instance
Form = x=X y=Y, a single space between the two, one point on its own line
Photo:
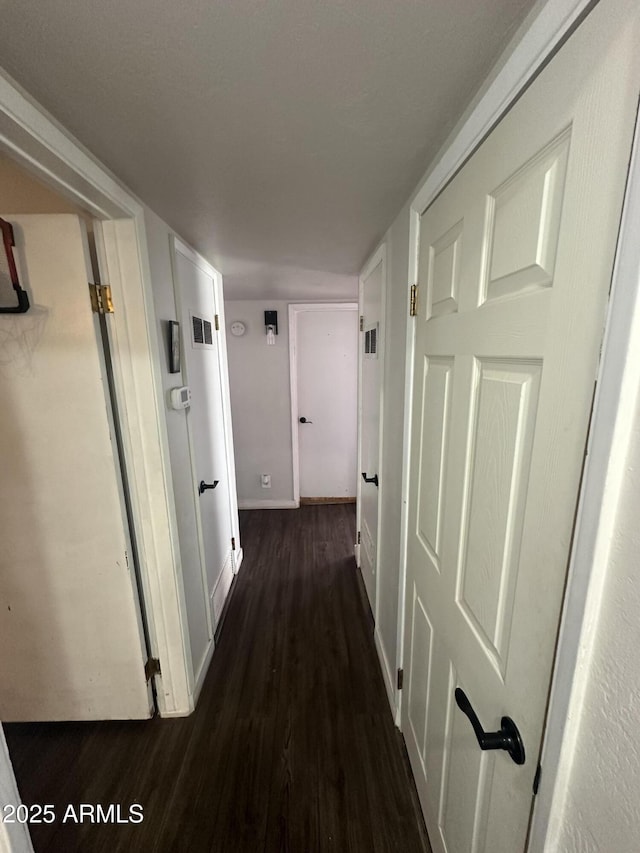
x=436 y=398
x=497 y=477
x=523 y=223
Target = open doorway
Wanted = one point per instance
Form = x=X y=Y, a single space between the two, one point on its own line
x=74 y=627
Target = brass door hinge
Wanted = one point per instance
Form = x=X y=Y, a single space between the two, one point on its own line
x=400 y=678
x=217 y=323
x=362 y=322
x=151 y=668
x=233 y=543
x=101 y=301
x=413 y=300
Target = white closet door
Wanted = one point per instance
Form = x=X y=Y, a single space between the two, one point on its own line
x=514 y=270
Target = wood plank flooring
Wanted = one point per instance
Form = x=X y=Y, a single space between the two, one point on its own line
x=291 y=749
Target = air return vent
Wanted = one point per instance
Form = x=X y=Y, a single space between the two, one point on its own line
x=198 y=330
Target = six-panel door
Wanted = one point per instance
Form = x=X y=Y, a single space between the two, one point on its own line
x=515 y=262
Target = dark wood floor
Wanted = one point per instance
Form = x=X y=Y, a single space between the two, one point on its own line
x=292 y=747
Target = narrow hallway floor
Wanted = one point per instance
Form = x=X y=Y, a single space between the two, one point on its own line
x=292 y=746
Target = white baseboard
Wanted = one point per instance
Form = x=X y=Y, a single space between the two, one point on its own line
x=387 y=675
x=269 y=504
x=174 y=715
x=237 y=562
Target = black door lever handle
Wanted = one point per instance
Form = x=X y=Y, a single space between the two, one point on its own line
x=202 y=488
x=508 y=738
x=373 y=479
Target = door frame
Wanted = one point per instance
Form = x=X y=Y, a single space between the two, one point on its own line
x=378 y=257
x=295 y=309
x=611 y=423
x=45 y=150
x=178 y=246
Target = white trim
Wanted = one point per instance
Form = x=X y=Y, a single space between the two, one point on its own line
x=267 y=504
x=532 y=46
x=39 y=144
x=201 y=673
x=236 y=555
x=387 y=675
x=357 y=549
x=414 y=230
x=14 y=837
x=296 y=308
x=605 y=468
x=239 y=558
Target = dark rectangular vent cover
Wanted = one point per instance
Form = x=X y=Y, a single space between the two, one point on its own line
x=367 y=342
x=208 y=336
x=198 y=332
x=373 y=341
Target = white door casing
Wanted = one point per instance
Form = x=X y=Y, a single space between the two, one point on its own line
x=371 y=373
x=323 y=340
x=14 y=837
x=72 y=631
x=514 y=267
x=203 y=371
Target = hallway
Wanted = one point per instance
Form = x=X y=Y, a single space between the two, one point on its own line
x=292 y=746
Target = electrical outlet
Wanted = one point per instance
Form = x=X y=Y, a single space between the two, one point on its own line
x=265 y=481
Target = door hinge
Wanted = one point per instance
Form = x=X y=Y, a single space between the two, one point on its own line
x=536 y=779
x=413 y=300
x=400 y=678
x=362 y=322
x=359 y=538
x=101 y=301
x=217 y=319
x=233 y=543
x=151 y=668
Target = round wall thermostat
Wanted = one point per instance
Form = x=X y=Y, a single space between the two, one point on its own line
x=238 y=329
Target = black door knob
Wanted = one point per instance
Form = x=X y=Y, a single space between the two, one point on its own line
x=373 y=479
x=304 y=421
x=508 y=738
x=202 y=488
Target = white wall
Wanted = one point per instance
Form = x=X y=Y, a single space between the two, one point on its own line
x=602 y=806
x=260 y=403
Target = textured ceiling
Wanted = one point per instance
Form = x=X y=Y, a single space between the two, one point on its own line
x=266 y=132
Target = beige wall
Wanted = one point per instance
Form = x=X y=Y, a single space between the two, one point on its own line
x=21 y=193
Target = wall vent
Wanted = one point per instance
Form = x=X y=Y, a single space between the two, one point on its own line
x=208 y=332
x=371 y=342
x=198 y=330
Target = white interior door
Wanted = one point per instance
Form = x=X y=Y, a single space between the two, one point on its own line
x=71 y=630
x=370 y=344
x=324 y=362
x=515 y=262
x=196 y=287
